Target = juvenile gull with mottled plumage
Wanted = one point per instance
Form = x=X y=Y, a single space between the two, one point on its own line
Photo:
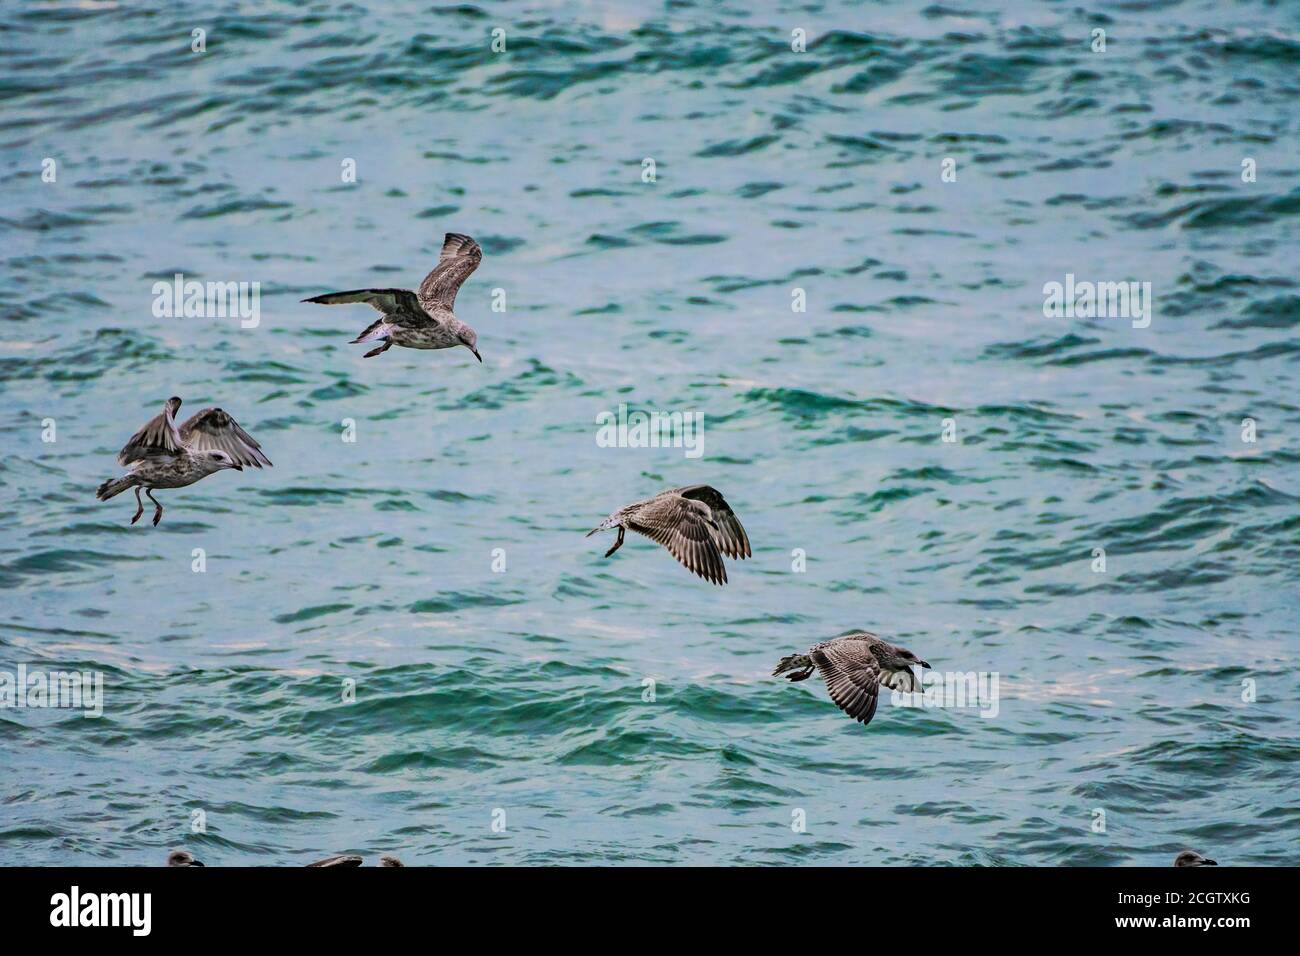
x=693 y=522
x=854 y=666
x=423 y=319
x=164 y=455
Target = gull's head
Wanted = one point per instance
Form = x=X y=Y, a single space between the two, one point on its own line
x=182 y=858
x=903 y=659
x=218 y=459
x=1192 y=858
x=469 y=338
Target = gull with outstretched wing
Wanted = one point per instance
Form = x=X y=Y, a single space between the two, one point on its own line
x=855 y=667
x=163 y=454
x=693 y=522
x=422 y=319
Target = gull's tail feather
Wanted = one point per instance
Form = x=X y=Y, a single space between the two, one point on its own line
x=376 y=330
x=605 y=525
x=800 y=663
x=114 y=486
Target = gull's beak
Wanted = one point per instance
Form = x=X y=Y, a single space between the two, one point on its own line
x=475 y=351
x=196 y=863
x=1211 y=863
x=923 y=664
x=237 y=467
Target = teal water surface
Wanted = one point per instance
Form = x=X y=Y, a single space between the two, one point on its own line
x=519 y=695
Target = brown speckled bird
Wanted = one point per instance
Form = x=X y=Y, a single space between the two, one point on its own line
x=165 y=455
x=693 y=522
x=854 y=666
x=422 y=319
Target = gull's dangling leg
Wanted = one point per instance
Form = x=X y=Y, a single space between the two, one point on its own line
x=157 y=515
x=388 y=344
x=139 y=505
x=617 y=544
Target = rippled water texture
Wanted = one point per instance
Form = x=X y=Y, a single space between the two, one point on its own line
x=523 y=691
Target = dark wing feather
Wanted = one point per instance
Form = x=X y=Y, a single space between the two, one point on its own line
x=213 y=428
x=386 y=301
x=460 y=256
x=683 y=528
x=158 y=437
x=730 y=534
x=852 y=676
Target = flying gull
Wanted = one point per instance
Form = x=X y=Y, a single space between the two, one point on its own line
x=423 y=319
x=854 y=666
x=163 y=455
x=1192 y=858
x=694 y=523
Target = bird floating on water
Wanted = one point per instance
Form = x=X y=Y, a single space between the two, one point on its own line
x=423 y=319
x=186 y=858
x=693 y=522
x=1192 y=858
x=164 y=455
x=350 y=860
x=853 y=667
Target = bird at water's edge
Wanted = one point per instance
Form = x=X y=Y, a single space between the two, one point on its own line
x=422 y=319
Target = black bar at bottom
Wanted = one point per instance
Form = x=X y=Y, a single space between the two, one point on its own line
x=490 y=904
